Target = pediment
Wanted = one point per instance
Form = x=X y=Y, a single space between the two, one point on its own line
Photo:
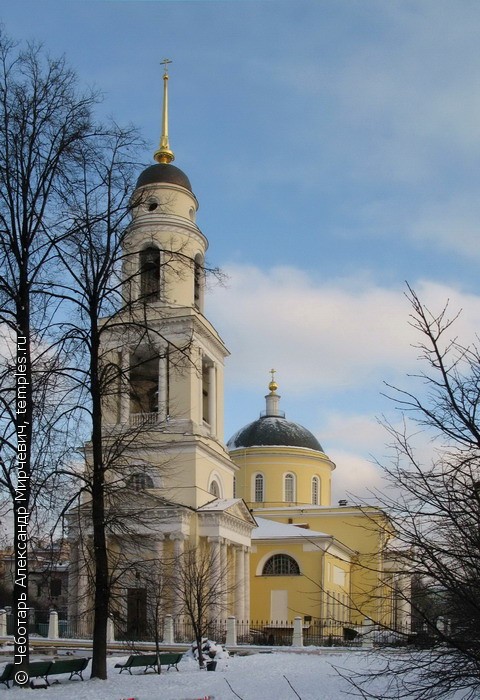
x=234 y=507
x=239 y=510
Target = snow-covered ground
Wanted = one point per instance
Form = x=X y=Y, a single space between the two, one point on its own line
x=254 y=677
x=282 y=675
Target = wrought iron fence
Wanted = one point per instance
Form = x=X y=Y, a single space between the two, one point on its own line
x=38 y=625
x=280 y=633
x=253 y=632
x=183 y=631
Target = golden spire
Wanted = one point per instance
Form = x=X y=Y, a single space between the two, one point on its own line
x=163 y=154
x=273 y=386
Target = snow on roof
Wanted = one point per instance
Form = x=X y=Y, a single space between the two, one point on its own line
x=275 y=431
x=269 y=529
x=220 y=504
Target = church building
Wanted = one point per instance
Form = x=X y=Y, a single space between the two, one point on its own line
x=259 y=505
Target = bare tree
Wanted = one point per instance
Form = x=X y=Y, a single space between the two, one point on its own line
x=201 y=586
x=435 y=506
x=43 y=118
x=90 y=255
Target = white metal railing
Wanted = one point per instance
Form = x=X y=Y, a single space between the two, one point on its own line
x=144 y=418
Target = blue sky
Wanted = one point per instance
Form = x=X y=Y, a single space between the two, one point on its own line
x=333 y=146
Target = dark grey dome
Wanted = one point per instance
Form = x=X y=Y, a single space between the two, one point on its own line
x=274 y=431
x=164 y=172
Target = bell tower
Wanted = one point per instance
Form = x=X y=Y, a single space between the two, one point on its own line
x=172 y=355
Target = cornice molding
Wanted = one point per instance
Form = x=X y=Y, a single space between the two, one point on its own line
x=165 y=223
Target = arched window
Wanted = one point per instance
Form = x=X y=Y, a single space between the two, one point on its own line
x=206 y=389
x=215 y=489
x=140 y=481
x=150 y=273
x=281 y=565
x=198 y=282
x=289 y=484
x=259 y=484
x=315 y=491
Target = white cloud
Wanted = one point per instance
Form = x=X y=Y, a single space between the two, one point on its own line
x=356 y=431
x=355 y=478
x=351 y=439
x=362 y=450
x=342 y=334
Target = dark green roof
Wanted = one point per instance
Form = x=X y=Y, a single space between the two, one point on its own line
x=274 y=431
x=164 y=172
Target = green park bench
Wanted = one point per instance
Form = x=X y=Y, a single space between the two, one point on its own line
x=7 y=674
x=137 y=661
x=75 y=667
x=45 y=669
x=169 y=659
x=151 y=661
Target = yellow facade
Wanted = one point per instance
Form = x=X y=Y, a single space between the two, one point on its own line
x=317 y=591
x=338 y=575
x=361 y=533
x=273 y=464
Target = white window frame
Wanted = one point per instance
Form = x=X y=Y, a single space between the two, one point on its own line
x=315 y=490
x=258 y=491
x=289 y=488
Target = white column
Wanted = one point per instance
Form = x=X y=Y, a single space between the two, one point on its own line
x=224 y=578
x=231 y=640
x=157 y=579
x=3 y=623
x=178 y=544
x=297 y=632
x=82 y=591
x=162 y=385
x=73 y=581
x=110 y=631
x=178 y=549
x=124 y=387
x=53 y=625
x=402 y=602
x=217 y=580
x=199 y=376
x=84 y=618
x=168 y=634
x=246 y=558
x=82 y=598
x=367 y=630
x=240 y=583
x=212 y=398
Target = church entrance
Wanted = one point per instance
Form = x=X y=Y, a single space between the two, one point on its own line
x=136 y=613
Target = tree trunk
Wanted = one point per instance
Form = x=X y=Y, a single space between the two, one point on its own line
x=100 y=555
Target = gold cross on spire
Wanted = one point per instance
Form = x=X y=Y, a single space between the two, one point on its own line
x=165 y=63
x=273 y=386
x=164 y=154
